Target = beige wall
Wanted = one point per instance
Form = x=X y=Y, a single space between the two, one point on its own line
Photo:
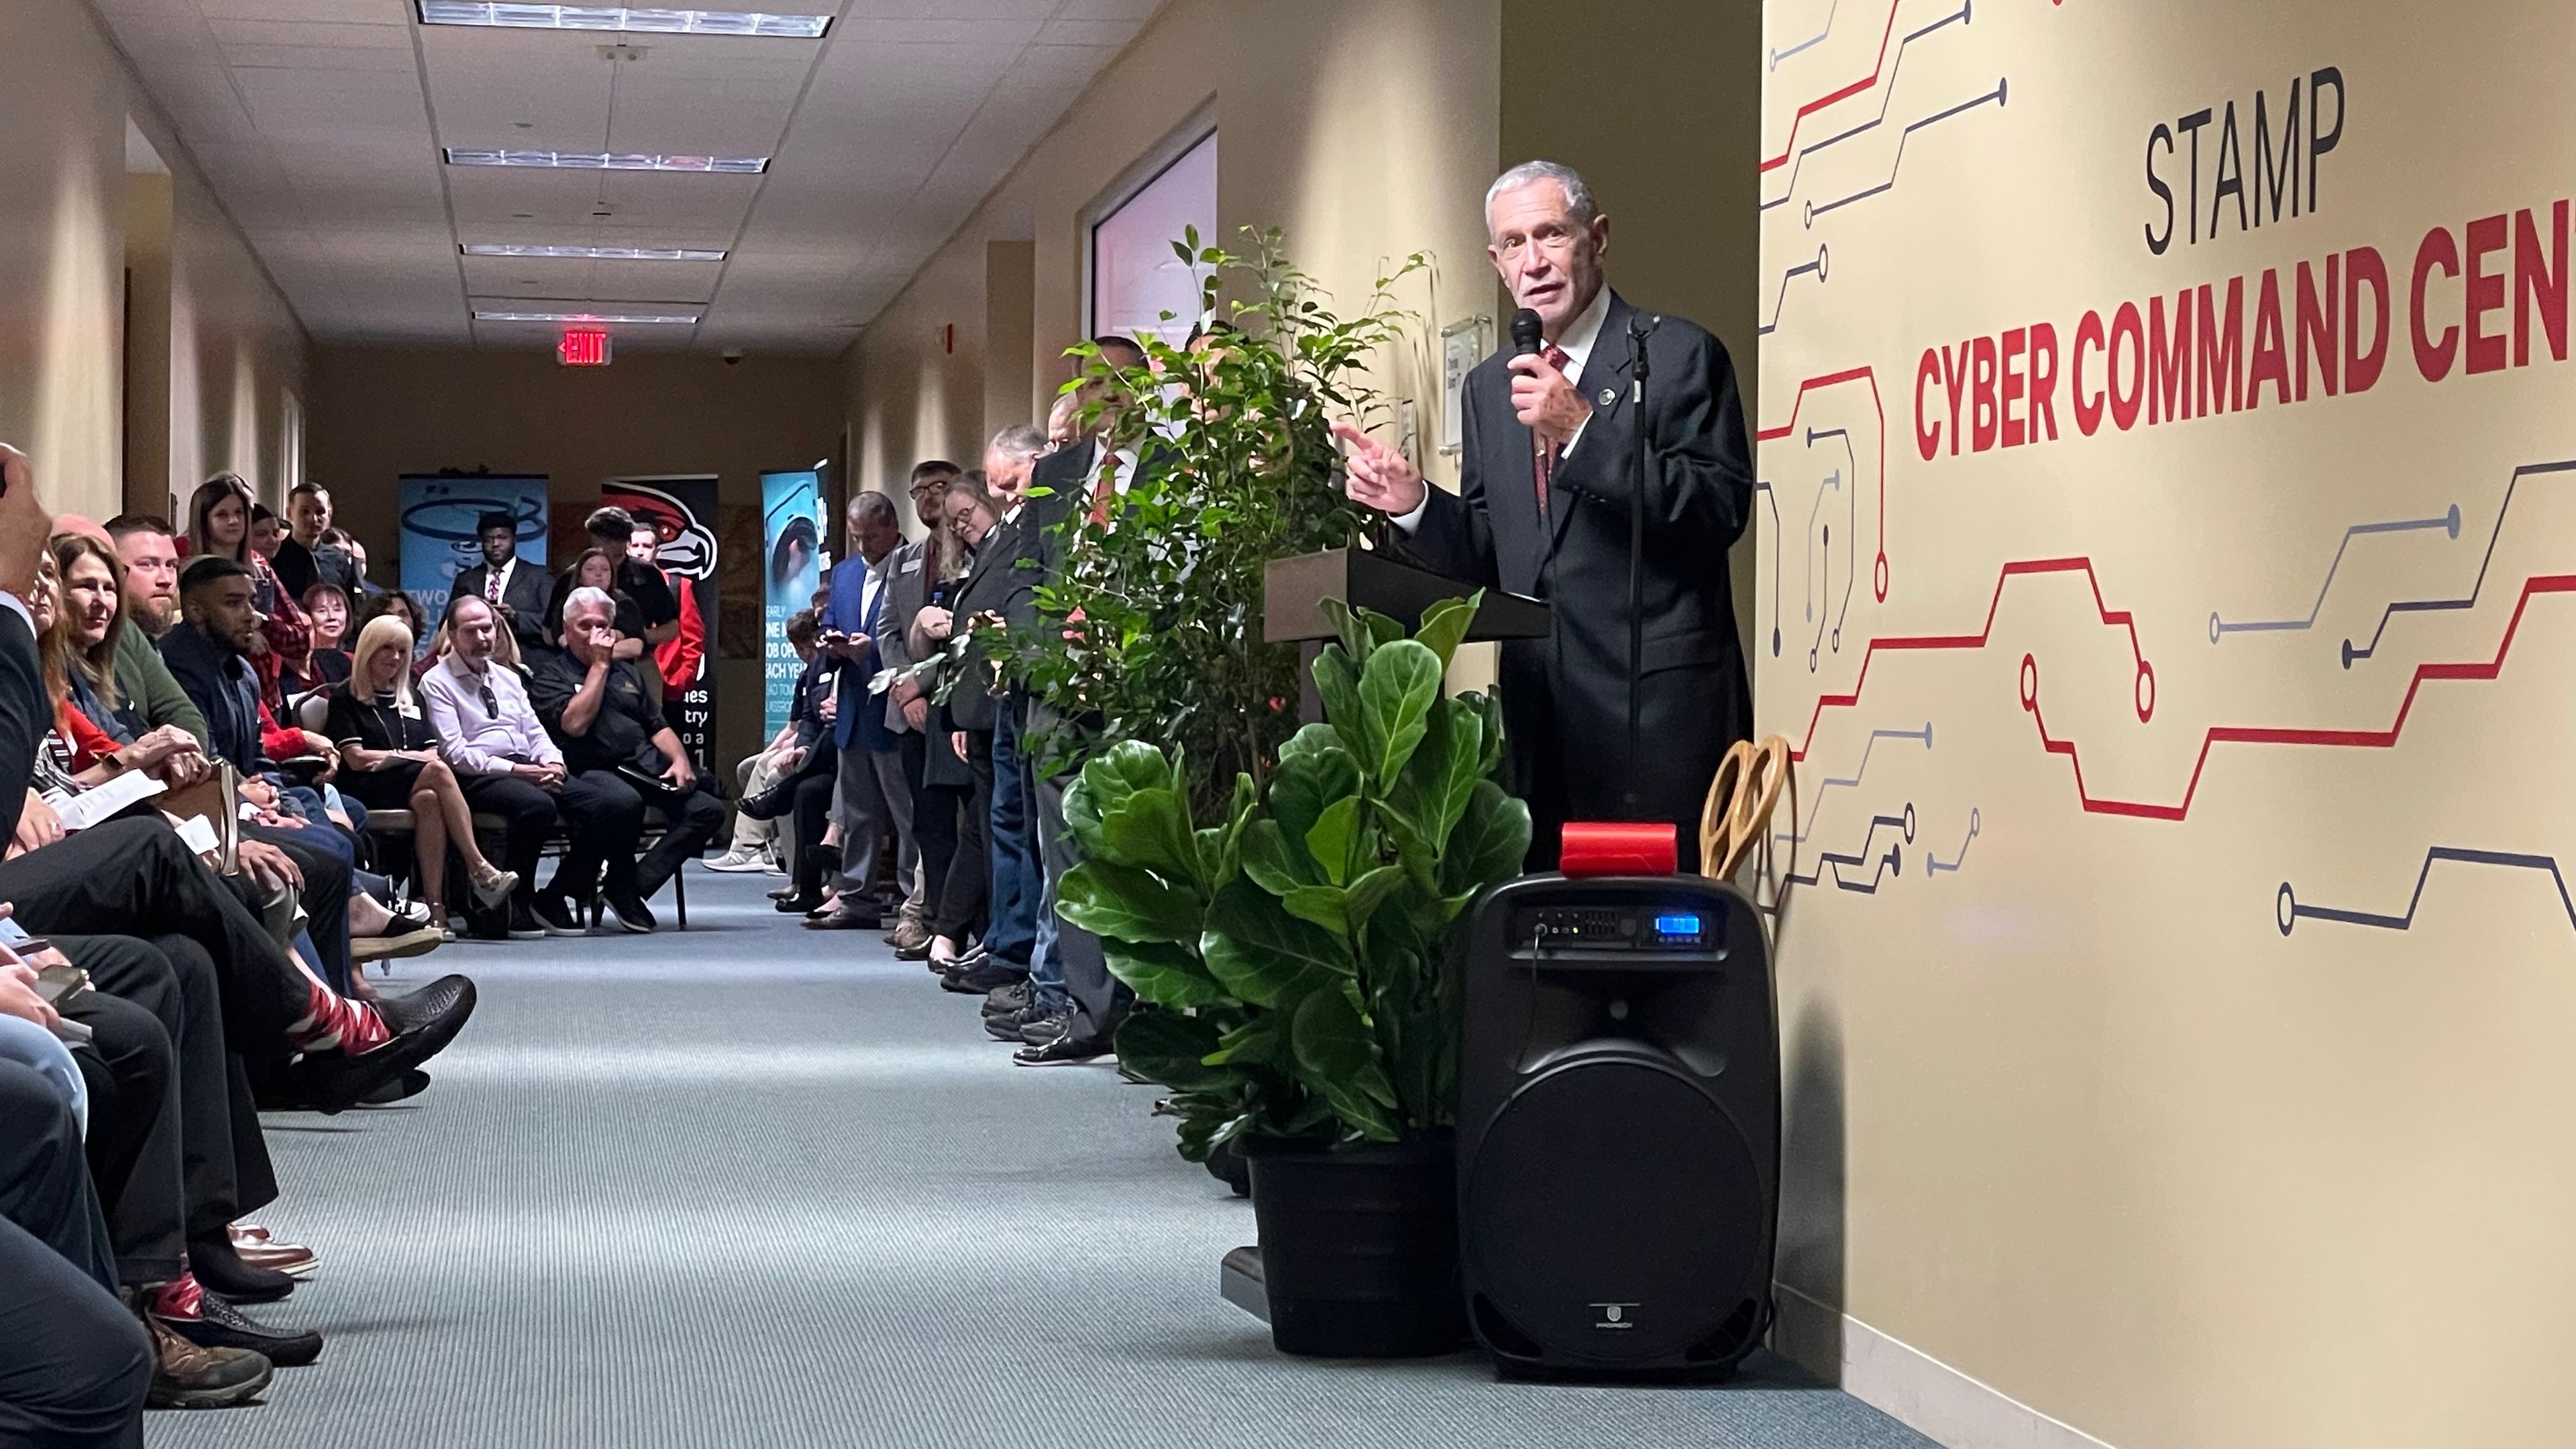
x=1665 y=132
x=65 y=95
x=235 y=352
x=378 y=414
x=2199 y=1107
x=1364 y=128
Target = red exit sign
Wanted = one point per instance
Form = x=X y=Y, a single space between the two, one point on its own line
x=583 y=347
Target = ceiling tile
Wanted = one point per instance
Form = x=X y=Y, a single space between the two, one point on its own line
x=313 y=121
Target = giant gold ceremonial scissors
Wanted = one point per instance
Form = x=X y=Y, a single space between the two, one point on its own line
x=1740 y=800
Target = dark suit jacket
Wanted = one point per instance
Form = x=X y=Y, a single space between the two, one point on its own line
x=1565 y=699
x=25 y=716
x=220 y=683
x=527 y=594
x=992 y=583
x=907 y=588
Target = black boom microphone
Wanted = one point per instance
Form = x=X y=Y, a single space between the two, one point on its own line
x=1526 y=332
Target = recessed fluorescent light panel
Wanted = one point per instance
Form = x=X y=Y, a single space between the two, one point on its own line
x=623 y=319
x=654 y=21
x=595 y=254
x=607 y=161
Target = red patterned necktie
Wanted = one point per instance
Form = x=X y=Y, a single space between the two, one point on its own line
x=1554 y=357
x=491 y=585
x=1105 y=489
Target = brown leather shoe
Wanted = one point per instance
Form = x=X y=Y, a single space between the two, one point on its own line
x=189 y=1376
x=292 y=1259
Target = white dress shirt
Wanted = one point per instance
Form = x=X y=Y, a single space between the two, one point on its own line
x=1577 y=344
x=476 y=741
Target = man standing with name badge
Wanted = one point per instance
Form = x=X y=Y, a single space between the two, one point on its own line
x=1547 y=470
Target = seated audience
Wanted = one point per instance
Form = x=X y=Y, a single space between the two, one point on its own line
x=298 y=558
x=72 y=754
x=504 y=760
x=188 y=1001
x=221 y=519
x=78 y=611
x=207 y=652
x=621 y=756
x=757 y=838
x=153 y=696
x=75 y=1366
x=391 y=762
x=802 y=792
x=327 y=605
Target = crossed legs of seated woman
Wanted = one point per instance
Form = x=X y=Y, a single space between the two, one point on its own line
x=392 y=760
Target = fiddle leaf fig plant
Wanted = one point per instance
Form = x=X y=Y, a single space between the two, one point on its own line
x=1301 y=952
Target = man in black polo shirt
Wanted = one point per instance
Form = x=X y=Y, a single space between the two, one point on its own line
x=621 y=756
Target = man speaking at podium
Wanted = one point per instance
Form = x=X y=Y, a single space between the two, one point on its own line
x=1546 y=474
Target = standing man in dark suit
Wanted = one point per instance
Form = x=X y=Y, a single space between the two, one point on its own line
x=516 y=590
x=911 y=572
x=1076 y=1004
x=875 y=798
x=1547 y=471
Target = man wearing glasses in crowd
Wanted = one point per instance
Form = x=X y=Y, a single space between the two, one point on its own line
x=505 y=762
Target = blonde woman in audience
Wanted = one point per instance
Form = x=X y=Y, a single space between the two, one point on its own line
x=391 y=761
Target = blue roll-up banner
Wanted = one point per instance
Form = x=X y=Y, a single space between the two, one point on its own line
x=439 y=514
x=791 y=538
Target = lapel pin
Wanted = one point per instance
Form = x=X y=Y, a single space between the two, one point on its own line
x=1609 y=395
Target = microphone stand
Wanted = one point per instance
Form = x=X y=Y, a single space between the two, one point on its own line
x=1640 y=327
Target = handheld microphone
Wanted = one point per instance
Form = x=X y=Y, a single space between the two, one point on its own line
x=1526 y=332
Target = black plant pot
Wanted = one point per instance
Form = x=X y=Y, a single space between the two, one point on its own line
x=1359 y=1247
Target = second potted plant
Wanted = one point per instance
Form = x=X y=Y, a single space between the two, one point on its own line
x=1303 y=972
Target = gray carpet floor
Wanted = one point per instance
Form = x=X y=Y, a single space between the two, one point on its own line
x=751 y=1185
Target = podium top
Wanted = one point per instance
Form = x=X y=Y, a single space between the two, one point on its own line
x=1294 y=590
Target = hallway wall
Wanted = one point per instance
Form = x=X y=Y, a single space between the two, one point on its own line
x=1365 y=129
x=2175 y=957
x=236 y=348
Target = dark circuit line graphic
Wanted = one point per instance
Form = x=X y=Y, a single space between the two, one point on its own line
x=2289 y=910
x=1956 y=17
x=2352 y=652
x=1995 y=97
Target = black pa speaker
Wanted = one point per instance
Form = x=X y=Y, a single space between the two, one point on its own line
x=1618 y=1127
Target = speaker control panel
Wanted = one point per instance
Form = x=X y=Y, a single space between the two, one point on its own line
x=1620 y=928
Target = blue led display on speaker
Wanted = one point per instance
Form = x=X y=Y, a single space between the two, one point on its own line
x=1677 y=925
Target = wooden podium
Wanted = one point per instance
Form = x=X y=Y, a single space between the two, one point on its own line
x=1294 y=590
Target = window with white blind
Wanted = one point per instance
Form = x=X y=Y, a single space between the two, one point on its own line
x=1135 y=278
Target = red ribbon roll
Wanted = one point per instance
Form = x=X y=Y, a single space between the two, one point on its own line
x=1619 y=847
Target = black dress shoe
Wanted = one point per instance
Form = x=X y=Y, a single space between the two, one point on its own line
x=627 y=912
x=913 y=953
x=219 y=1324
x=333 y=1082
x=220 y=1269
x=1006 y=1027
x=843 y=918
x=796 y=903
x=410 y=1084
x=556 y=916
x=979 y=979
x=1038 y=1028
x=769 y=804
x=1008 y=1000
x=437 y=1011
x=1065 y=1051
